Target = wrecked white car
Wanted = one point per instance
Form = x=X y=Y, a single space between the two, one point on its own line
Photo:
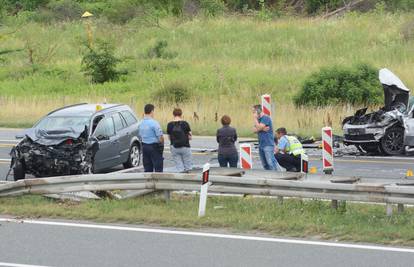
x=78 y=139
x=388 y=130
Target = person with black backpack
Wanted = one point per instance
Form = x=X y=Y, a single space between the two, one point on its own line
x=179 y=132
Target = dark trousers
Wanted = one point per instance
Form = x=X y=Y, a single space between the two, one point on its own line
x=152 y=157
x=228 y=160
x=289 y=162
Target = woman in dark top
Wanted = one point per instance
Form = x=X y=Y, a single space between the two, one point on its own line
x=226 y=137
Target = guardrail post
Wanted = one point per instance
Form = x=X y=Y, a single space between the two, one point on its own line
x=334 y=204
x=280 y=200
x=400 y=208
x=389 y=209
x=167 y=195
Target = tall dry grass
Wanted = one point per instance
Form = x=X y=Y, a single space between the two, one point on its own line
x=203 y=114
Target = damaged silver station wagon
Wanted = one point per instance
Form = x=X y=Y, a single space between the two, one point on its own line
x=389 y=130
x=78 y=139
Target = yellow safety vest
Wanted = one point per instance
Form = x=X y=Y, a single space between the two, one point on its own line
x=295 y=147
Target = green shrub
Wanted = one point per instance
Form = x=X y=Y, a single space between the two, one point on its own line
x=14 y=6
x=314 y=6
x=65 y=9
x=212 y=8
x=396 y=5
x=173 y=93
x=100 y=63
x=122 y=11
x=339 y=85
x=159 y=50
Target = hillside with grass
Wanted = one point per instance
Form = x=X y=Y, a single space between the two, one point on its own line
x=208 y=65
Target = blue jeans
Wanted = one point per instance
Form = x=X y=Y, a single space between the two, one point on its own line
x=267 y=157
x=226 y=160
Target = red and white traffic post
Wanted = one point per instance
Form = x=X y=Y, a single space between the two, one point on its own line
x=204 y=190
x=327 y=150
x=266 y=105
x=246 y=161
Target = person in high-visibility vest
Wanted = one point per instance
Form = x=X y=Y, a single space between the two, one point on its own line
x=289 y=151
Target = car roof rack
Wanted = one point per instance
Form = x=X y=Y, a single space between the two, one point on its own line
x=74 y=105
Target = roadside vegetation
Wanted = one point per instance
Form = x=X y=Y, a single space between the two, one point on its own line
x=222 y=54
x=293 y=218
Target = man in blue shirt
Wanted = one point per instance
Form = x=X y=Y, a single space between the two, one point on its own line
x=152 y=141
x=264 y=128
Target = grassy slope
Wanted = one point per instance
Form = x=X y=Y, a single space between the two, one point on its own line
x=218 y=58
x=295 y=218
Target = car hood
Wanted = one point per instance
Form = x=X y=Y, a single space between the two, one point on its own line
x=395 y=92
x=55 y=136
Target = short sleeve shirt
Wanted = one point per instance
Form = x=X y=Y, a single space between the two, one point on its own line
x=150 y=131
x=283 y=143
x=266 y=138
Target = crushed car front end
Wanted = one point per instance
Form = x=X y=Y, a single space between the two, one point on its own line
x=45 y=154
x=381 y=131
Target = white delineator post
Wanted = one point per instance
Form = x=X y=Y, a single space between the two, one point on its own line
x=327 y=150
x=204 y=190
x=266 y=105
x=246 y=161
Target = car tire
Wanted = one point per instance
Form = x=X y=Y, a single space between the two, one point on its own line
x=134 y=157
x=19 y=172
x=392 y=143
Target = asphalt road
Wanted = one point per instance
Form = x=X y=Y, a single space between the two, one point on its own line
x=379 y=168
x=45 y=243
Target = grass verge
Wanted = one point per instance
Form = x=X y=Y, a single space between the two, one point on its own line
x=293 y=218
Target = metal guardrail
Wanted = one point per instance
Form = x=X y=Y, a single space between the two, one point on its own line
x=248 y=184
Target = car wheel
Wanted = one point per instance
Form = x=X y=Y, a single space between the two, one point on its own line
x=19 y=171
x=392 y=143
x=134 y=158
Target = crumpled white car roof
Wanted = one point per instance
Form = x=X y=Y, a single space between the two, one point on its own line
x=388 y=78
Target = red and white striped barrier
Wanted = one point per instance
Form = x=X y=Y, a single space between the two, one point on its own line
x=266 y=105
x=246 y=161
x=327 y=150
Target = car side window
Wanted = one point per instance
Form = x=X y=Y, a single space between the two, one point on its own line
x=129 y=118
x=105 y=127
x=119 y=123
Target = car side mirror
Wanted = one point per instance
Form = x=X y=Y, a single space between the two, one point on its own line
x=19 y=136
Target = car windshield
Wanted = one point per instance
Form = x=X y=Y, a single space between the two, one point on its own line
x=52 y=123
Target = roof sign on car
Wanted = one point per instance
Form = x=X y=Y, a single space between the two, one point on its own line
x=98 y=108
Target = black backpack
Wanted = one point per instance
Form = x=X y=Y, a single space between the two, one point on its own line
x=178 y=136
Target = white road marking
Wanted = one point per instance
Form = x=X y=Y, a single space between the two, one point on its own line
x=19 y=265
x=10 y=141
x=7 y=160
x=201 y=234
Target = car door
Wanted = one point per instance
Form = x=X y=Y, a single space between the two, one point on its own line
x=132 y=123
x=123 y=134
x=108 y=153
